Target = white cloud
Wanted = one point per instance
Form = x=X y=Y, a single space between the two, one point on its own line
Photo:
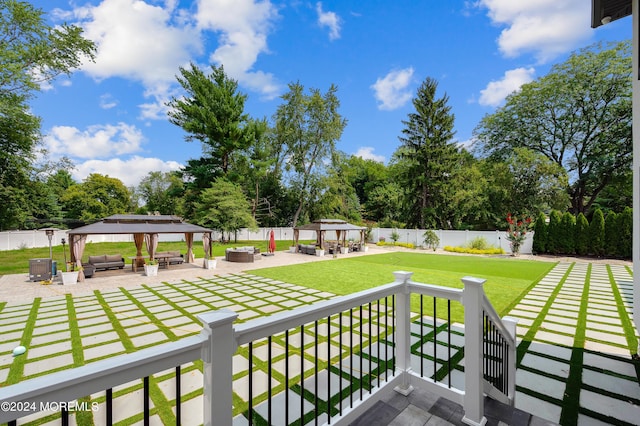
x=366 y=153
x=107 y=101
x=497 y=91
x=137 y=41
x=392 y=90
x=547 y=28
x=329 y=20
x=130 y=171
x=242 y=26
x=97 y=141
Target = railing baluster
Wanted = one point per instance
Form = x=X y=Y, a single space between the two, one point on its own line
x=301 y=374
x=393 y=335
x=329 y=368
x=378 y=334
x=250 y=414
x=370 y=347
x=386 y=339
x=178 y=397
x=449 y=341
x=421 y=335
x=360 y=327
x=269 y=374
x=146 y=401
x=351 y=357
x=340 y=360
x=315 y=372
x=435 y=339
x=109 y=403
x=286 y=376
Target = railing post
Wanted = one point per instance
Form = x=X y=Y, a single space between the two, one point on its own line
x=511 y=324
x=473 y=353
x=403 y=331
x=217 y=356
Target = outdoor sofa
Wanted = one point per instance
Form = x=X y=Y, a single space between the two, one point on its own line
x=307 y=249
x=242 y=254
x=105 y=261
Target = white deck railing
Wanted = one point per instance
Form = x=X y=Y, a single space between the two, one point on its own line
x=392 y=331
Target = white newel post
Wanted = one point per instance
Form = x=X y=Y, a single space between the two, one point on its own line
x=217 y=355
x=511 y=324
x=473 y=353
x=403 y=332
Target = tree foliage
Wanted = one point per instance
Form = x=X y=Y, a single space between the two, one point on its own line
x=307 y=126
x=31 y=53
x=611 y=234
x=578 y=116
x=429 y=156
x=212 y=112
x=625 y=233
x=582 y=235
x=597 y=233
x=224 y=207
x=540 y=234
x=98 y=196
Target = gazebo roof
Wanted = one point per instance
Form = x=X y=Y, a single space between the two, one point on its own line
x=329 y=225
x=139 y=224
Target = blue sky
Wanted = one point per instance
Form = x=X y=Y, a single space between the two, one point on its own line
x=109 y=117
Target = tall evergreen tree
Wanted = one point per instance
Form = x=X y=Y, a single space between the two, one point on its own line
x=582 y=235
x=625 y=233
x=430 y=155
x=554 y=246
x=611 y=234
x=567 y=240
x=540 y=234
x=597 y=234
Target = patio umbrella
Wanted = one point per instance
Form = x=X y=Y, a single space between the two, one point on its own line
x=272 y=242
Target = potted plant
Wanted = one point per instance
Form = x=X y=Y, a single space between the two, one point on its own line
x=69 y=276
x=151 y=268
x=319 y=251
x=209 y=263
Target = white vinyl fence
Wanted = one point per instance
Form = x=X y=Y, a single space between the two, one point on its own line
x=12 y=240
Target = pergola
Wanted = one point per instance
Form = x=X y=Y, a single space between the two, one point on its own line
x=340 y=227
x=144 y=228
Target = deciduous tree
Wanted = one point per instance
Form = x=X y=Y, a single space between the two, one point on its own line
x=578 y=116
x=308 y=126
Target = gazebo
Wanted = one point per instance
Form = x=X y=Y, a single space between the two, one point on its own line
x=321 y=226
x=144 y=228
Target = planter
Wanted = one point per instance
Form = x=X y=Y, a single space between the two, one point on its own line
x=209 y=264
x=151 y=270
x=320 y=253
x=344 y=250
x=292 y=249
x=70 y=278
x=365 y=248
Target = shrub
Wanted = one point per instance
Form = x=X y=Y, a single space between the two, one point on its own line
x=581 y=235
x=479 y=243
x=553 y=230
x=540 y=234
x=407 y=245
x=492 y=250
x=395 y=236
x=596 y=233
x=611 y=234
x=431 y=239
x=567 y=232
x=625 y=232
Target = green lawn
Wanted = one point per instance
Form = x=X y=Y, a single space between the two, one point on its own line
x=17 y=261
x=507 y=279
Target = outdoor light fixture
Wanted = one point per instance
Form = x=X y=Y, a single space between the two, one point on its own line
x=606 y=20
x=49 y=232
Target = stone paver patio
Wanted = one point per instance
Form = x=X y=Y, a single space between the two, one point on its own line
x=563 y=375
